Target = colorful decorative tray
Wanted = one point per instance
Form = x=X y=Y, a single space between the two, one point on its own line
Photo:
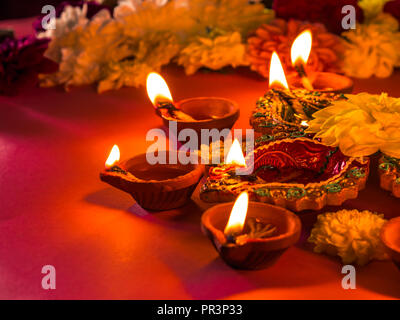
x=297 y=174
x=283 y=113
x=389 y=174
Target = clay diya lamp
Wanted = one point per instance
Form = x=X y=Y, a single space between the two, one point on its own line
x=324 y=82
x=194 y=113
x=251 y=235
x=284 y=112
x=154 y=186
x=390 y=236
x=389 y=174
x=321 y=82
x=298 y=174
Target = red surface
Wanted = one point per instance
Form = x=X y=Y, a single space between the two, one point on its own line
x=55 y=210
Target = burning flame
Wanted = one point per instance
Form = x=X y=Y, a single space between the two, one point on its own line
x=157 y=88
x=301 y=47
x=276 y=74
x=304 y=123
x=235 y=155
x=113 y=157
x=238 y=215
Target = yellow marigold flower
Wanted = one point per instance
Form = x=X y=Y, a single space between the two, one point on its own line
x=214 y=53
x=361 y=125
x=372 y=49
x=352 y=235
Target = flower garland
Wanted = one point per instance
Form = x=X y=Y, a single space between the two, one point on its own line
x=111 y=52
x=115 y=43
x=143 y=36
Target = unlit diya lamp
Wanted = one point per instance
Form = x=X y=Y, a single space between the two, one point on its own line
x=298 y=174
x=194 y=113
x=323 y=82
x=250 y=235
x=154 y=186
x=284 y=113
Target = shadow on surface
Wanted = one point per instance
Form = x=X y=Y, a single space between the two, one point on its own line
x=110 y=198
x=182 y=218
x=374 y=277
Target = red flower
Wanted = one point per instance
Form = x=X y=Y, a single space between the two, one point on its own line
x=327 y=12
x=393 y=7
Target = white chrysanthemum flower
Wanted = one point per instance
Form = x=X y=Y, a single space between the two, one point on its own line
x=80 y=54
x=360 y=125
x=350 y=234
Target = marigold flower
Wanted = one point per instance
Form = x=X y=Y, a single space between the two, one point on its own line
x=351 y=234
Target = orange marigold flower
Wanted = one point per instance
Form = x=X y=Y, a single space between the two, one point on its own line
x=279 y=35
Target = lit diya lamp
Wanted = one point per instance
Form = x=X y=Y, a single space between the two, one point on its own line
x=317 y=81
x=283 y=112
x=154 y=186
x=297 y=174
x=299 y=54
x=250 y=235
x=194 y=113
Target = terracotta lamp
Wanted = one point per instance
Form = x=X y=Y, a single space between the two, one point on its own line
x=325 y=82
x=298 y=174
x=316 y=81
x=155 y=187
x=390 y=237
x=194 y=113
x=250 y=235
